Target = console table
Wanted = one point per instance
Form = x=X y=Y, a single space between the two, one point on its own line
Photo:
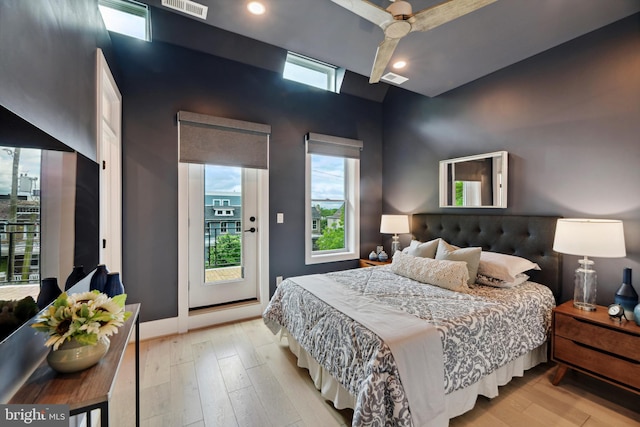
x=89 y=389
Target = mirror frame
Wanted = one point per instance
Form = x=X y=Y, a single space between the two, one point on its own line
x=500 y=156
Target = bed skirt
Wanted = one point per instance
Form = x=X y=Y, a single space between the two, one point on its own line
x=456 y=403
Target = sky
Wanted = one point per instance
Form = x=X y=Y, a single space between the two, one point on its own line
x=29 y=164
x=327 y=178
x=222 y=178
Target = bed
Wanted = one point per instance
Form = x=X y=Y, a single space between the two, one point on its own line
x=402 y=352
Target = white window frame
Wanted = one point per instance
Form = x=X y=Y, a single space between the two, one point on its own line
x=330 y=71
x=128 y=7
x=351 y=219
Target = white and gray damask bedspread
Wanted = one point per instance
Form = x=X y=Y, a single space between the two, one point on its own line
x=480 y=331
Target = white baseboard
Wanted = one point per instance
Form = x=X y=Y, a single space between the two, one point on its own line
x=200 y=319
x=224 y=315
x=158 y=328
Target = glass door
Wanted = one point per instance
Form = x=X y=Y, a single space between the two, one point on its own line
x=222 y=235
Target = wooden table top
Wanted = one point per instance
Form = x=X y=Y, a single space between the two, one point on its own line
x=599 y=316
x=79 y=389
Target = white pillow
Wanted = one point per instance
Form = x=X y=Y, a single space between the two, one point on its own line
x=498 y=283
x=452 y=275
x=423 y=249
x=471 y=256
x=504 y=267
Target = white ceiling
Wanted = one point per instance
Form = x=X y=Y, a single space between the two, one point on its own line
x=442 y=59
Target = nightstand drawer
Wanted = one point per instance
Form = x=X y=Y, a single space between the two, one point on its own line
x=617 y=369
x=592 y=335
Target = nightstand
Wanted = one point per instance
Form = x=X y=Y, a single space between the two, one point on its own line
x=592 y=343
x=370 y=263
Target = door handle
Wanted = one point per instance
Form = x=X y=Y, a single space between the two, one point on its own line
x=251 y=230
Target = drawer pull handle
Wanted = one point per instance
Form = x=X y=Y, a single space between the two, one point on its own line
x=582 y=321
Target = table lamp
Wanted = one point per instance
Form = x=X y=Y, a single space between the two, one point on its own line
x=394 y=224
x=588 y=238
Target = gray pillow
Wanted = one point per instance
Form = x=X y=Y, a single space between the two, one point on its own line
x=423 y=250
x=469 y=255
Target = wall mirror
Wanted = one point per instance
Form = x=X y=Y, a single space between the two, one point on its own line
x=51 y=221
x=478 y=181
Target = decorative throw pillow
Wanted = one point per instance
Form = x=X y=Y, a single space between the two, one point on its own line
x=504 y=267
x=498 y=283
x=423 y=249
x=452 y=275
x=471 y=256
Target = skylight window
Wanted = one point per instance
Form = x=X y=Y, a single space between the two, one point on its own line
x=126 y=17
x=311 y=72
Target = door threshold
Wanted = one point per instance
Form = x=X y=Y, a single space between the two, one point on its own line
x=224 y=306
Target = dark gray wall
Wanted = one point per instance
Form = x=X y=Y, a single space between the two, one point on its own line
x=47 y=71
x=570 y=119
x=158 y=79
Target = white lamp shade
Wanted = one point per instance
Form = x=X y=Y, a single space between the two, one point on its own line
x=394 y=224
x=590 y=237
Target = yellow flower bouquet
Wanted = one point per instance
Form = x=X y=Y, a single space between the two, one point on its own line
x=87 y=317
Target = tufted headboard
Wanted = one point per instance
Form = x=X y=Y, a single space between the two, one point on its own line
x=528 y=237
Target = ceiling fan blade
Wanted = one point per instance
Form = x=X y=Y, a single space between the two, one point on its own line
x=434 y=16
x=383 y=56
x=366 y=10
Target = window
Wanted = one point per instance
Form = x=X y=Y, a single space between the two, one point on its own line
x=468 y=193
x=224 y=212
x=19 y=215
x=126 y=17
x=311 y=72
x=332 y=197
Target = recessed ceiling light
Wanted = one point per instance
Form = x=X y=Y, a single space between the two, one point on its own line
x=399 y=64
x=256 y=8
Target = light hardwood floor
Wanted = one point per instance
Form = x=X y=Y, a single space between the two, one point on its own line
x=241 y=375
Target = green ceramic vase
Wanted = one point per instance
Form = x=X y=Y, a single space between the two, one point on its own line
x=72 y=356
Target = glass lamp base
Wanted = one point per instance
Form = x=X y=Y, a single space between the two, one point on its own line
x=584 y=306
x=395 y=245
x=584 y=291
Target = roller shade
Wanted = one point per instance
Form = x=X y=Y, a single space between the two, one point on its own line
x=221 y=141
x=333 y=146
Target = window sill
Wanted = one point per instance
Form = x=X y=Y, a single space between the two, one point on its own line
x=320 y=259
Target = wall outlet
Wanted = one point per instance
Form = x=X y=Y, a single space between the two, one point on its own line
x=280 y=218
x=278 y=280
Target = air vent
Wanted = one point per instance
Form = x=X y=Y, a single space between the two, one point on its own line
x=394 y=78
x=189 y=7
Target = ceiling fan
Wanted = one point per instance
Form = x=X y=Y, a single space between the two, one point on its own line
x=398 y=20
